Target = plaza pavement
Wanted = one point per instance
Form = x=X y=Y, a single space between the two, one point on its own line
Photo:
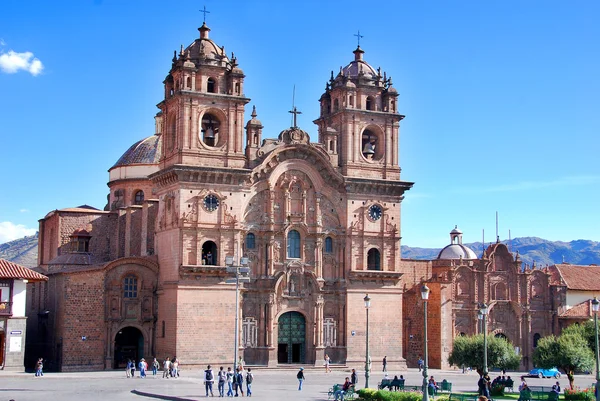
x=269 y=384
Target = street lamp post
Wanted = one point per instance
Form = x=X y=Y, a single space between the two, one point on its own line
x=483 y=308
x=241 y=271
x=595 y=308
x=367 y=300
x=425 y=296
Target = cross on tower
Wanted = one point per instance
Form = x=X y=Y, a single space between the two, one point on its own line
x=204 y=12
x=295 y=112
x=358 y=36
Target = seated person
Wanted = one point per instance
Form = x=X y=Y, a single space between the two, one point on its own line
x=432 y=386
x=509 y=383
x=339 y=394
x=525 y=393
x=502 y=381
x=397 y=383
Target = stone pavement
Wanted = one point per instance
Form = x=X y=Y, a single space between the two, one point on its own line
x=269 y=384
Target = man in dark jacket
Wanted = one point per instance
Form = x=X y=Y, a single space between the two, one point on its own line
x=238 y=380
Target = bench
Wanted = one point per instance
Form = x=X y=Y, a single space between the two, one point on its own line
x=445 y=386
x=347 y=395
x=391 y=384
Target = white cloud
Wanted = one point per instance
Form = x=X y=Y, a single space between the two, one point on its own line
x=12 y=62
x=24 y=210
x=10 y=231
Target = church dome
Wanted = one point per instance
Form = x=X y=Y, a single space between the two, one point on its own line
x=146 y=151
x=359 y=67
x=205 y=50
x=456 y=249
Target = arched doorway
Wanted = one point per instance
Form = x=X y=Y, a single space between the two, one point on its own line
x=129 y=344
x=501 y=335
x=291 y=340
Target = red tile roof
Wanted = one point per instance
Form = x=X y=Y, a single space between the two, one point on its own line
x=581 y=310
x=13 y=270
x=585 y=278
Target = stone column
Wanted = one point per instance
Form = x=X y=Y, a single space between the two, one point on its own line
x=319 y=347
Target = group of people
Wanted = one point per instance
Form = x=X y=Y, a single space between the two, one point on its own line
x=504 y=381
x=170 y=367
x=234 y=380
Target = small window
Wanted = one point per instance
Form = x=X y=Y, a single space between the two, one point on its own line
x=250 y=241
x=130 y=287
x=536 y=339
x=336 y=105
x=210 y=85
x=373 y=259
x=370 y=103
x=293 y=245
x=210 y=129
x=139 y=198
x=328 y=245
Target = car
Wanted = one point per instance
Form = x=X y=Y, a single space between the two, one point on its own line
x=541 y=373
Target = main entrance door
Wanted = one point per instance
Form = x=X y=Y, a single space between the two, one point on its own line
x=129 y=344
x=291 y=341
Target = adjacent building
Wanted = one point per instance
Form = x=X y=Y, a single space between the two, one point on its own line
x=13 y=279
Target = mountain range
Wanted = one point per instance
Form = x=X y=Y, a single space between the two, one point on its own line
x=531 y=250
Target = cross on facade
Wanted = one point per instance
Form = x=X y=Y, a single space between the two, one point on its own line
x=204 y=12
x=358 y=36
x=295 y=112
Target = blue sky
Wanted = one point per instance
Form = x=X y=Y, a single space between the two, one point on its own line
x=500 y=97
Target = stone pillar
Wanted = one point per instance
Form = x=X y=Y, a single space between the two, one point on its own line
x=319 y=347
x=128 y=232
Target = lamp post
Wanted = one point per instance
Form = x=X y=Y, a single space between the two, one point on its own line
x=483 y=309
x=425 y=296
x=367 y=300
x=595 y=308
x=241 y=271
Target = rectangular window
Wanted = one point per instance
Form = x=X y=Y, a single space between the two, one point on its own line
x=130 y=287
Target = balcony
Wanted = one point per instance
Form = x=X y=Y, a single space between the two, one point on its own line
x=5 y=308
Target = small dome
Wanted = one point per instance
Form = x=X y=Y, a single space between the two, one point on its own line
x=350 y=84
x=359 y=67
x=456 y=251
x=146 y=151
x=205 y=51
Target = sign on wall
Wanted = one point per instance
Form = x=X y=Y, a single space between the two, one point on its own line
x=15 y=344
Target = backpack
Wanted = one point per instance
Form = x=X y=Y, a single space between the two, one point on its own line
x=209 y=375
x=249 y=378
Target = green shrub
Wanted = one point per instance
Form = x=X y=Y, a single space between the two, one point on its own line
x=369 y=394
x=580 y=395
x=497 y=390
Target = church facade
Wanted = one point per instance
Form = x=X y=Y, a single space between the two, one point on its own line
x=317 y=220
x=317 y=223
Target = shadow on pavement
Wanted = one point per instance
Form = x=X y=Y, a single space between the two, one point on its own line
x=160 y=397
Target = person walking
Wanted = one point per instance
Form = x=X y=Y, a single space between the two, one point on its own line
x=229 y=376
x=175 y=367
x=420 y=363
x=209 y=379
x=142 y=367
x=128 y=368
x=385 y=363
x=132 y=368
x=238 y=378
x=301 y=378
x=327 y=361
x=222 y=376
x=354 y=379
x=155 y=367
x=249 y=380
x=166 y=368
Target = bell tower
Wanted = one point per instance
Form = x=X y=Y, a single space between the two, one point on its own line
x=203 y=107
x=359 y=121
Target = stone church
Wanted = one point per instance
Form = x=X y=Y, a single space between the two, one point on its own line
x=317 y=221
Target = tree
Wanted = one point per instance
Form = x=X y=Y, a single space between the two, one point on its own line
x=569 y=352
x=468 y=351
